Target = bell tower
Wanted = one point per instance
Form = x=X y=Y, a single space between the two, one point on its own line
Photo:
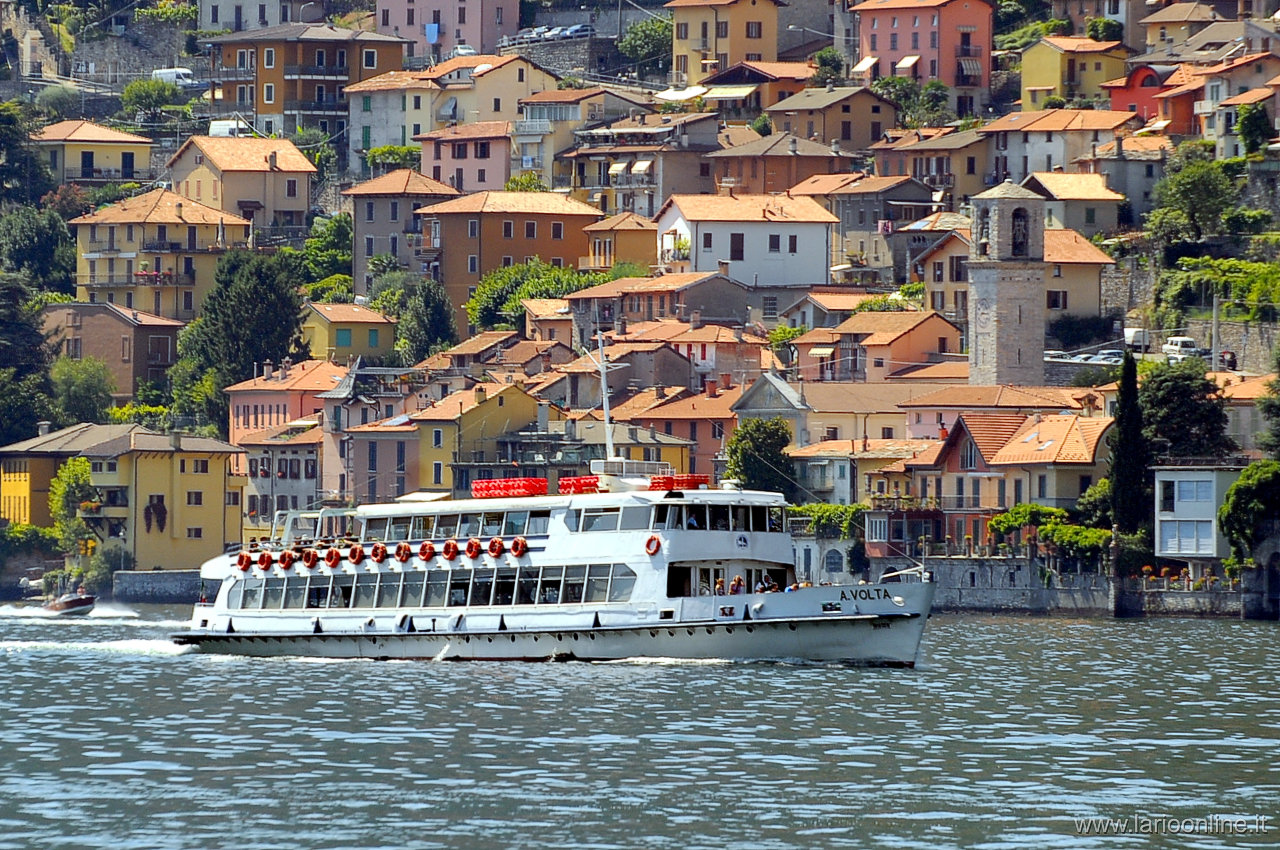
x=1007 y=288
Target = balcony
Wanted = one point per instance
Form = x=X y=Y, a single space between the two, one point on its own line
x=525 y=163
x=595 y=263
x=92 y=281
x=532 y=127
x=939 y=181
x=163 y=279
x=100 y=246
x=969 y=51
x=233 y=74
x=108 y=175
x=968 y=81
x=327 y=105
x=317 y=71
x=1204 y=107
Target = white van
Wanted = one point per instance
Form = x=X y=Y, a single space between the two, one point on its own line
x=183 y=78
x=225 y=127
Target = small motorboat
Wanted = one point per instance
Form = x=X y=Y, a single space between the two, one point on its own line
x=71 y=604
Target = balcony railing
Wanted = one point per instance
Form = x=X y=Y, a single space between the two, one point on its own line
x=532 y=127
x=102 y=246
x=104 y=280
x=163 y=279
x=939 y=180
x=969 y=51
x=595 y=262
x=80 y=175
x=884 y=502
x=968 y=81
x=328 y=104
x=342 y=71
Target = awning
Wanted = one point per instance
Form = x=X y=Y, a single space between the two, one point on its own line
x=680 y=95
x=906 y=62
x=617 y=168
x=641 y=166
x=821 y=351
x=1153 y=127
x=864 y=65
x=971 y=67
x=730 y=92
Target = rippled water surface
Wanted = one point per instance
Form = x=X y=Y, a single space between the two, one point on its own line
x=1009 y=731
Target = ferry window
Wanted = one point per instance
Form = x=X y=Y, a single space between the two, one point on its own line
x=295 y=592
x=252 y=593
x=775 y=519
x=573 y=581
x=539 y=521
x=375 y=529
x=720 y=517
x=413 y=585
x=741 y=518
x=667 y=516
x=399 y=529
x=624 y=579
x=437 y=588
x=235 y=597
x=600 y=519
x=389 y=590
x=469 y=525
x=366 y=590
x=504 y=586
x=424 y=527
x=635 y=517
x=340 y=593
x=597 y=583
x=515 y=523
x=679 y=582
x=549 y=588
x=571 y=519
x=482 y=586
x=459 y=584
x=447 y=526
x=695 y=517
x=759 y=518
x=492 y=524
x=527 y=586
x=318 y=592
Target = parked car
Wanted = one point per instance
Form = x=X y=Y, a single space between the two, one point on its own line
x=579 y=31
x=463 y=50
x=1180 y=345
x=1114 y=353
x=1138 y=339
x=1055 y=354
x=554 y=33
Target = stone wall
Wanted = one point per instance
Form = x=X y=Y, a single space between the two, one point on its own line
x=1008 y=585
x=1253 y=342
x=28 y=565
x=169 y=586
x=1126 y=286
x=570 y=57
x=1179 y=603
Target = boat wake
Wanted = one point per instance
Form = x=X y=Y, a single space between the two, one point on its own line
x=138 y=646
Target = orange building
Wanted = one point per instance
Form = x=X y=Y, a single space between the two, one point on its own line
x=774 y=163
x=466 y=237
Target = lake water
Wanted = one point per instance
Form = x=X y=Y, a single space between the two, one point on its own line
x=1008 y=734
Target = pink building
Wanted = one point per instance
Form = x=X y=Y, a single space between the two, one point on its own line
x=947 y=40
x=471 y=158
x=277 y=396
x=435 y=27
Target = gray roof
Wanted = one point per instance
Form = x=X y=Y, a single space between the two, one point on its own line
x=305 y=32
x=776 y=144
x=819 y=98
x=946 y=142
x=1009 y=189
x=70 y=441
x=143 y=440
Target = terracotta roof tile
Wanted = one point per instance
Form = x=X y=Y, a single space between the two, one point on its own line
x=528 y=203
x=1001 y=396
x=778 y=144
x=864 y=448
x=642 y=401
x=349 y=313
x=546 y=308
x=700 y=406
x=482 y=342
x=760 y=208
x=1069 y=44
x=448 y=66
x=947 y=370
x=990 y=431
x=825 y=184
x=472 y=130
x=874 y=185
x=392 y=81
x=1053 y=439
x=402 y=181
x=455 y=403
x=86 y=131
x=300 y=432
x=159 y=206
x=307 y=376
x=1259 y=95
x=622 y=221
x=1073 y=187
x=1060 y=120
x=245 y=153
x=562 y=95
x=882 y=328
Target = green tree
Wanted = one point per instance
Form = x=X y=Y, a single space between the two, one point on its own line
x=24 y=401
x=1183 y=412
x=68 y=489
x=1269 y=406
x=781 y=336
x=1130 y=454
x=38 y=245
x=22 y=342
x=82 y=389
x=317 y=146
x=762 y=125
x=390 y=292
x=917 y=106
x=334 y=289
x=647 y=43
x=149 y=97
x=328 y=250
x=427 y=323
x=24 y=177
x=830 y=64
x=68 y=200
x=1202 y=192
x=1253 y=126
x=1104 y=29
x=497 y=299
x=59 y=102
x=529 y=181
x=757 y=457
x=1094 y=505
x=1251 y=504
x=390 y=157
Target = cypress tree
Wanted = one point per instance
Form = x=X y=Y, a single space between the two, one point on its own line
x=1129 y=455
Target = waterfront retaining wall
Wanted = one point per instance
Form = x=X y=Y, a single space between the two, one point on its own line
x=1008 y=585
x=1179 y=603
x=169 y=586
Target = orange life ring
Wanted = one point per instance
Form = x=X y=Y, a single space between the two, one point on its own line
x=244 y=561
x=450 y=550
x=378 y=552
x=310 y=557
x=496 y=546
x=653 y=545
x=519 y=546
x=473 y=548
x=265 y=560
x=427 y=551
x=403 y=552
x=333 y=557
x=356 y=555
x=286 y=559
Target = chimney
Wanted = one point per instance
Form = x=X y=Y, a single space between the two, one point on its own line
x=835 y=151
x=659 y=392
x=731 y=191
x=268 y=369
x=831 y=85
x=726 y=380
x=793 y=145
x=284 y=367
x=43 y=426
x=546 y=360
x=1119 y=147
x=712 y=389
x=695 y=320
x=272 y=160
x=135 y=315
x=942 y=432
x=737 y=333
x=481 y=393
x=570 y=429
x=544 y=416
x=633 y=433
x=724 y=267
x=620 y=325
x=175 y=440
x=640 y=119
x=178 y=207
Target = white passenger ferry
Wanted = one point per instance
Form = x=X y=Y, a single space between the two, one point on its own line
x=626 y=563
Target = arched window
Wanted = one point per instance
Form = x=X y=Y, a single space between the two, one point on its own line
x=984 y=232
x=833 y=561
x=1019 y=246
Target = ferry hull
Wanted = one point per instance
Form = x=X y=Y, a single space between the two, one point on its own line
x=889 y=639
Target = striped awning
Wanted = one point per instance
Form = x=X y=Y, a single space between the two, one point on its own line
x=822 y=351
x=864 y=65
x=730 y=92
x=906 y=62
x=971 y=67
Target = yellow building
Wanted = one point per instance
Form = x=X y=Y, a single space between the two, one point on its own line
x=1070 y=68
x=709 y=36
x=84 y=152
x=267 y=181
x=155 y=252
x=342 y=332
x=622 y=238
x=171 y=498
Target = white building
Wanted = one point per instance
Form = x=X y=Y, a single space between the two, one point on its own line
x=1186 y=505
x=1049 y=139
x=237 y=15
x=764 y=239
